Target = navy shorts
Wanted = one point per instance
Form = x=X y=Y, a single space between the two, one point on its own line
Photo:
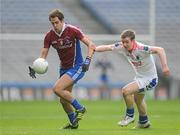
x=75 y=72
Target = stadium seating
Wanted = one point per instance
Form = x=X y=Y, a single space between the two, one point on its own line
x=118 y=15
x=30 y=16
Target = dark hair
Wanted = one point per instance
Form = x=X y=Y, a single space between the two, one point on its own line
x=128 y=33
x=56 y=13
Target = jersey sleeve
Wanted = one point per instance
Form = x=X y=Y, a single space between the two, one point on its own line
x=146 y=49
x=47 y=42
x=78 y=33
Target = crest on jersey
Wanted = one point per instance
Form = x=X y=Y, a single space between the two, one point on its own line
x=137 y=57
x=146 y=48
x=117 y=44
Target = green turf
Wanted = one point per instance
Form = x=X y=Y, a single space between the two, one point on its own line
x=45 y=118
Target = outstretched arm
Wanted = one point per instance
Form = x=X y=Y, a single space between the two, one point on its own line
x=103 y=48
x=162 y=55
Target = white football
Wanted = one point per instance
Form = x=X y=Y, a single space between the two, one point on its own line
x=40 y=66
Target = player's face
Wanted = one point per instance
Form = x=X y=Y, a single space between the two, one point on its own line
x=127 y=43
x=57 y=24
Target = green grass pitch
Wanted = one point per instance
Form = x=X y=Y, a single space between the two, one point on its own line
x=45 y=118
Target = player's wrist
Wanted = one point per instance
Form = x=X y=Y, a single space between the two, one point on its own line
x=88 y=60
x=86 y=64
x=88 y=57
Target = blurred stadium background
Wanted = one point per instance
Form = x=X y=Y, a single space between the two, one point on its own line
x=25 y=22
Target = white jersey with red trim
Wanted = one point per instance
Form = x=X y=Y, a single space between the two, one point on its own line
x=140 y=58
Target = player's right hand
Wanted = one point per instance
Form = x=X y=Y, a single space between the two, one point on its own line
x=32 y=72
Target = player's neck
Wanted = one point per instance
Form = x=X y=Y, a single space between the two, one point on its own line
x=134 y=45
x=59 y=32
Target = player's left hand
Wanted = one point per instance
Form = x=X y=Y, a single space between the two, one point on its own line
x=166 y=71
x=86 y=64
x=32 y=72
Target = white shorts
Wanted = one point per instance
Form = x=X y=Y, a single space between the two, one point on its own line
x=146 y=83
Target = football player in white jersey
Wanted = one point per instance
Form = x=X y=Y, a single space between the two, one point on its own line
x=140 y=57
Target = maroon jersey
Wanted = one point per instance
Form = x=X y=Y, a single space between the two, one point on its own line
x=67 y=45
